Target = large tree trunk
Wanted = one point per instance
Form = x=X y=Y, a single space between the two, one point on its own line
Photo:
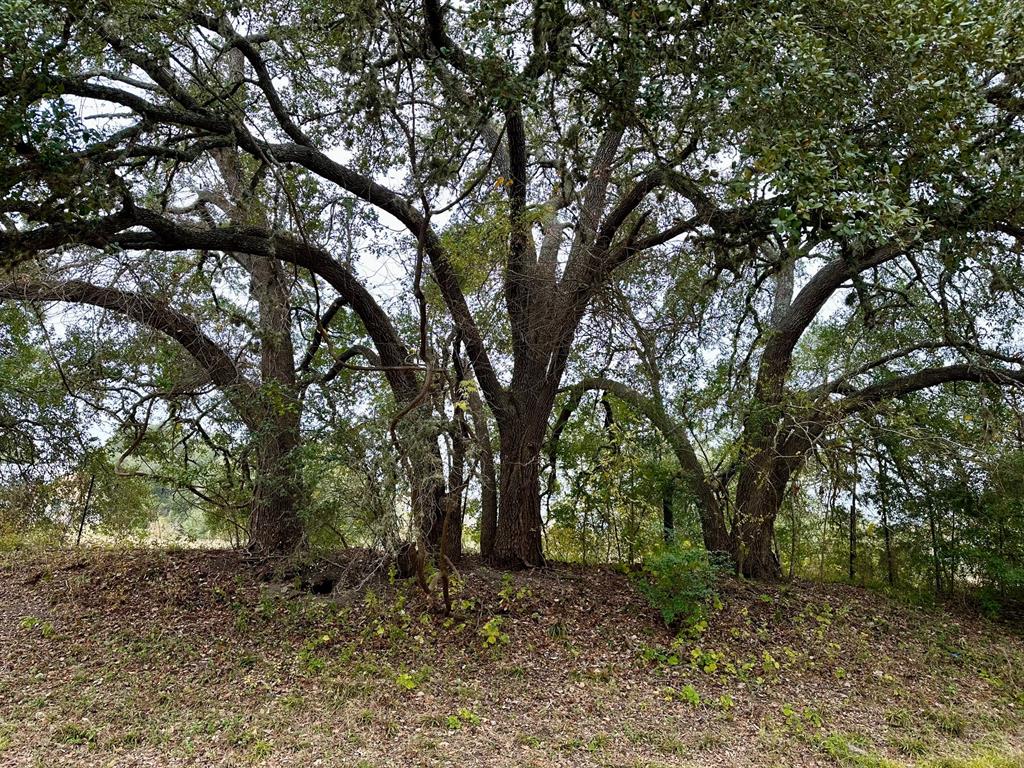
x=429 y=501
x=765 y=473
x=759 y=496
x=275 y=522
x=517 y=541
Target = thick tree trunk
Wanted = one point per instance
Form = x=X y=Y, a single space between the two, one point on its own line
x=275 y=522
x=753 y=553
x=517 y=541
x=759 y=496
x=429 y=502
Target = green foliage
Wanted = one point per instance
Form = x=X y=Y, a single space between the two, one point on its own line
x=679 y=581
x=687 y=694
x=492 y=634
x=74 y=733
x=462 y=717
x=32 y=623
x=776 y=132
x=310 y=657
x=612 y=481
x=509 y=594
x=410 y=681
x=405 y=681
x=799 y=719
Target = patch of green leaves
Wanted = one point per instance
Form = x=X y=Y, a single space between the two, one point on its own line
x=492 y=633
x=679 y=581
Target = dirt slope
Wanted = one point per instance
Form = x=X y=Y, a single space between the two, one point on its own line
x=193 y=658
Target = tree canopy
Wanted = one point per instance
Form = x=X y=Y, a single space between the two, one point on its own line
x=534 y=277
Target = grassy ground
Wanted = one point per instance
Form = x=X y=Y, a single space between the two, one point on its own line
x=193 y=658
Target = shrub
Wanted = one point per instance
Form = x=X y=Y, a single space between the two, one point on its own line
x=679 y=581
x=492 y=634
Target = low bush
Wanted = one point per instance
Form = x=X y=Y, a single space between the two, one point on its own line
x=679 y=581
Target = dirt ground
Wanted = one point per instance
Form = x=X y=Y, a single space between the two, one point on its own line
x=197 y=658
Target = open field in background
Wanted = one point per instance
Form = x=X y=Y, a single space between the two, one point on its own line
x=197 y=658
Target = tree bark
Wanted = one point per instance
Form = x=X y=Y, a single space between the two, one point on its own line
x=416 y=437
x=275 y=520
x=752 y=549
x=759 y=495
x=270 y=412
x=883 y=493
x=693 y=476
x=451 y=533
x=517 y=541
x=275 y=524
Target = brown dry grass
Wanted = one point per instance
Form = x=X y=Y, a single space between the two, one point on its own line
x=191 y=658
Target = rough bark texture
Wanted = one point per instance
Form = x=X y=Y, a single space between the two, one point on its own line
x=275 y=526
x=275 y=520
x=417 y=441
x=451 y=535
x=517 y=542
x=759 y=495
